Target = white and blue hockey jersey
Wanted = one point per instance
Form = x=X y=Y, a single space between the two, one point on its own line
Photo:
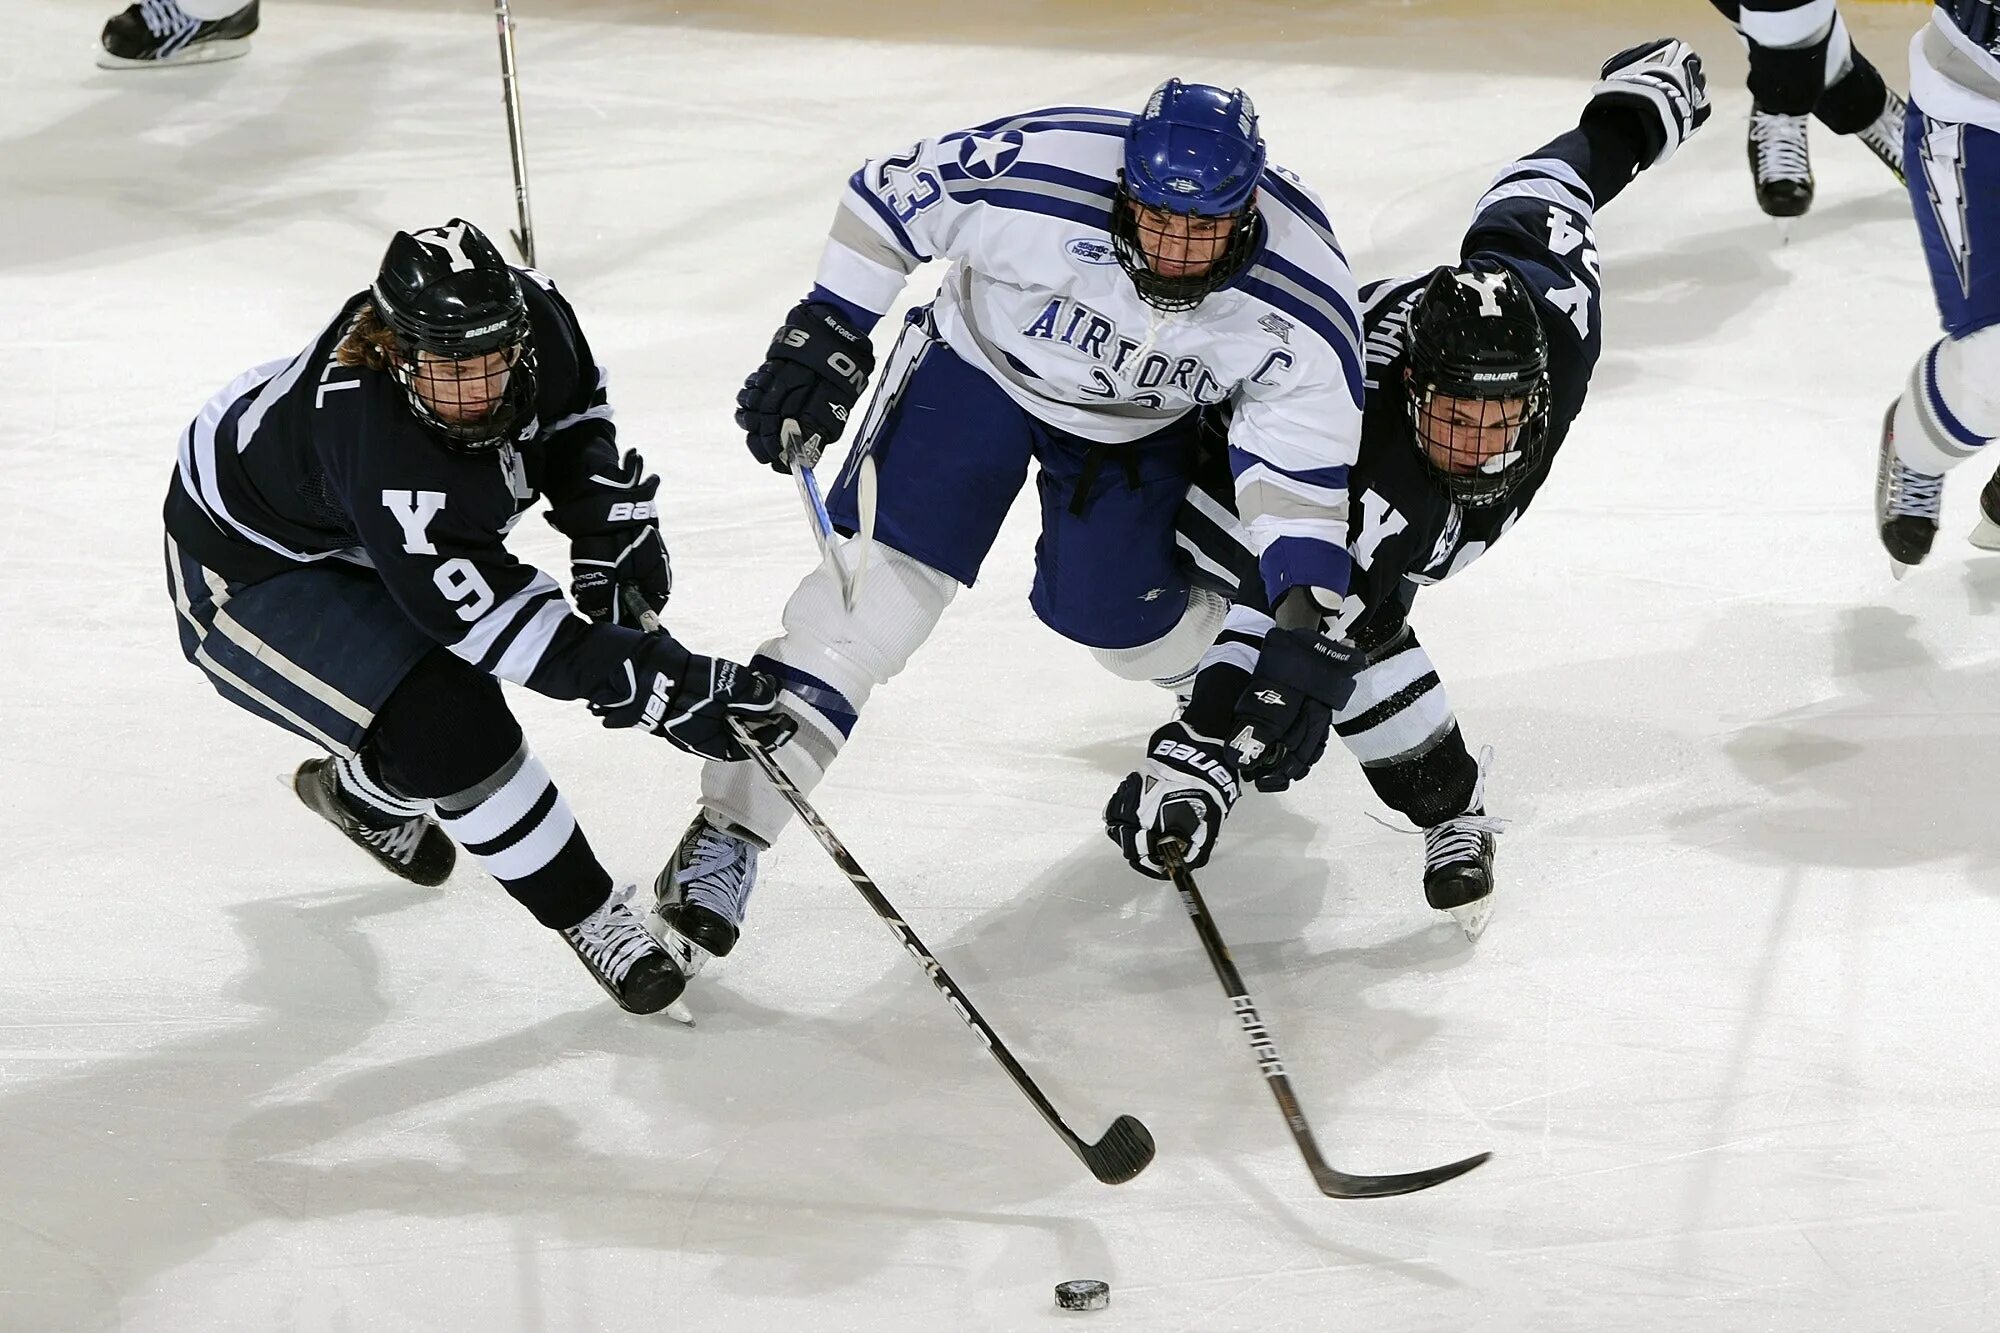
x=1020 y=210
x=1955 y=64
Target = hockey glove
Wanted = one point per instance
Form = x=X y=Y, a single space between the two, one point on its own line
x=1181 y=793
x=615 y=544
x=1286 y=711
x=814 y=373
x=1662 y=83
x=689 y=699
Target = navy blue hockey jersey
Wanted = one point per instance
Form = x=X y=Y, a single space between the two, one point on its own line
x=304 y=460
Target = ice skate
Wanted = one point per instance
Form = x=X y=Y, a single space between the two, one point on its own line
x=702 y=894
x=415 y=849
x=1906 y=504
x=1884 y=135
x=1987 y=535
x=1458 y=860
x=627 y=961
x=1780 y=166
x=156 y=33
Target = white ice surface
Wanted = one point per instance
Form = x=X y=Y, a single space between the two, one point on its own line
x=1729 y=1036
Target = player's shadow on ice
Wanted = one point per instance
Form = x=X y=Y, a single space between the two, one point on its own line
x=165 y=156
x=1681 y=294
x=1896 y=772
x=124 y=1171
x=141 y=1165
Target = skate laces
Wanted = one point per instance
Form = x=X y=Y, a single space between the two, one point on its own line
x=1884 y=134
x=611 y=938
x=1460 y=839
x=1780 y=142
x=1914 y=494
x=718 y=874
x=400 y=841
x=164 y=18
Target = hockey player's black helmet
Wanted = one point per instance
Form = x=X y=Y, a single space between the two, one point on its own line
x=452 y=301
x=1478 y=376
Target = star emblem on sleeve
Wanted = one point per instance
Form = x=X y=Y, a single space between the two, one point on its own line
x=985 y=156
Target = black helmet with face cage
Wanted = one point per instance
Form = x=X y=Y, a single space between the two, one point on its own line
x=1475 y=334
x=447 y=291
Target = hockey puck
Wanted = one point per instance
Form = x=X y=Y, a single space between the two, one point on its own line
x=1083 y=1294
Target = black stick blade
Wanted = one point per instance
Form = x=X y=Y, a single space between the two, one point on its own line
x=1125 y=1150
x=1339 y=1185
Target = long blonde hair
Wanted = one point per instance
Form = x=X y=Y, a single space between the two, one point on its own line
x=368 y=341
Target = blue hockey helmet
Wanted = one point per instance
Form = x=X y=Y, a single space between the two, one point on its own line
x=1194 y=149
x=1192 y=161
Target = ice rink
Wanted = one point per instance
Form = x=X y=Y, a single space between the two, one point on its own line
x=1730 y=1036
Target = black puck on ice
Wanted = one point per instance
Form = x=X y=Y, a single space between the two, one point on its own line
x=1083 y=1294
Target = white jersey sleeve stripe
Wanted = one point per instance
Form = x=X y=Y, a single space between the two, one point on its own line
x=524 y=654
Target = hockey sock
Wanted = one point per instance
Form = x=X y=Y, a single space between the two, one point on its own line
x=829 y=661
x=447 y=735
x=1430 y=787
x=1946 y=415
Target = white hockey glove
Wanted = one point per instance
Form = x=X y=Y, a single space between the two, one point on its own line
x=1182 y=793
x=1662 y=82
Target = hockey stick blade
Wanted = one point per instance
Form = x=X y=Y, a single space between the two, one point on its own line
x=1339 y=1185
x=1333 y=1184
x=1126 y=1148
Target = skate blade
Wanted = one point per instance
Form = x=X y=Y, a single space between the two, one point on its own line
x=1784 y=230
x=1898 y=570
x=1472 y=918
x=680 y=1013
x=205 y=54
x=1987 y=535
x=688 y=956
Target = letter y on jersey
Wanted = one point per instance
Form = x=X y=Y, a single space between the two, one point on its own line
x=414 y=510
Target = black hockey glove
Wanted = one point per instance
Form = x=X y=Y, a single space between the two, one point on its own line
x=1662 y=84
x=814 y=373
x=689 y=700
x=1181 y=793
x=615 y=544
x=1286 y=711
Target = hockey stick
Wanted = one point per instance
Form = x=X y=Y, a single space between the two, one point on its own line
x=510 y=91
x=822 y=523
x=1127 y=1146
x=1334 y=1184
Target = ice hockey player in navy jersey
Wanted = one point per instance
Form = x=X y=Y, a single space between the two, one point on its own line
x=1107 y=276
x=335 y=544
x=1475 y=373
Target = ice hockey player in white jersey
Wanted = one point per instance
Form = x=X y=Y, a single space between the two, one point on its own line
x=1475 y=373
x=1805 y=65
x=335 y=543
x=1109 y=276
x=1949 y=410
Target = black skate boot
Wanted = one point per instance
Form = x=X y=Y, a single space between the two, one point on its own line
x=159 y=32
x=1906 y=503
x=629 y=963
x=1458 y=860
x=1780 y=163
x=1884 y=135
x=415 y=849
x=1987 y=535
x=701 y=896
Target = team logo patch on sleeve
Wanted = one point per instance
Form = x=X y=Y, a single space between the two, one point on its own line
x=985 y=156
